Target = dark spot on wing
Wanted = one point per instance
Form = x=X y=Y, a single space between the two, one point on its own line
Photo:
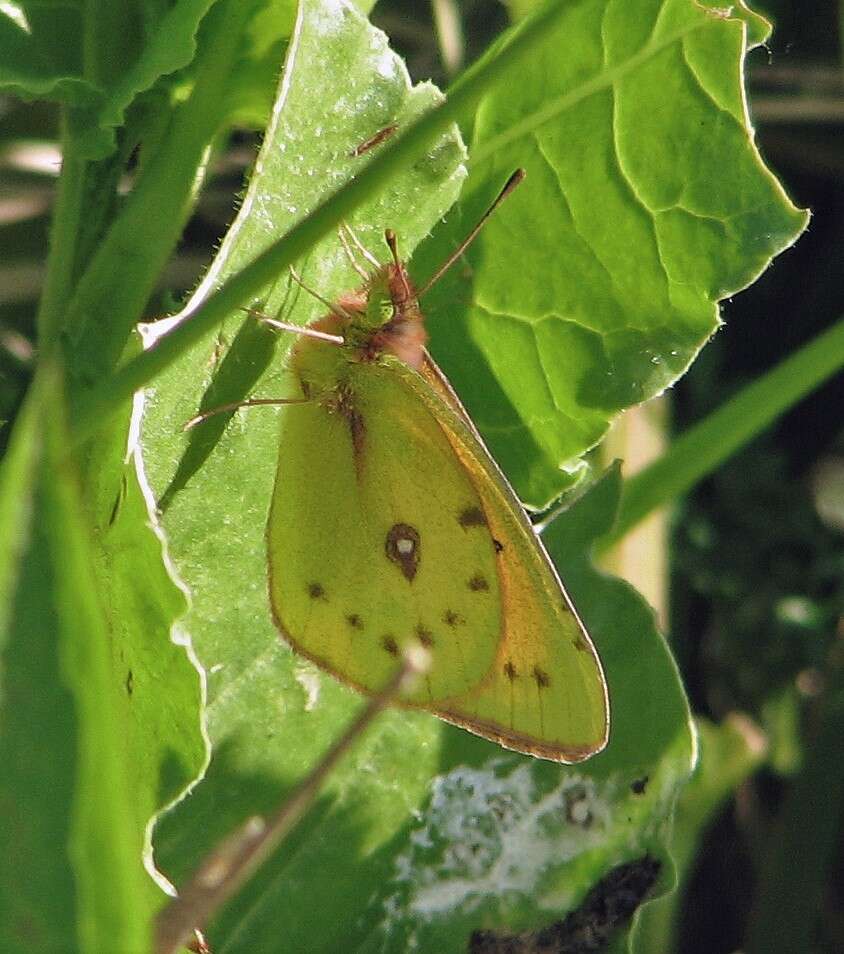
x=510 y=671
x=344 y=402
x=472 y=516
x=542 y=679
x=450 y=618
x=130 y=683
x=478 y=584
x=316 y=591
x=638 y=785
x=425 y=636
x=402 y=548
x=358 y=430
x=354 y=621
x=499 y=546
x=580 y=644
x=390 y=645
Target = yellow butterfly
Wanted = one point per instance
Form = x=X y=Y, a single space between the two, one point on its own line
x=390 y=523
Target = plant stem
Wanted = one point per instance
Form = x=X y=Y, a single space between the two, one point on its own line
x=449 y=34
x=239 y=855
x=100 y=402
x=705 y=446
x=116 y=285
x=64 y=234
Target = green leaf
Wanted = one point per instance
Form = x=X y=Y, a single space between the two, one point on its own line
x=99 y=720
x=124 y=266
x=253 y=83
x=165 y=42
x=130 y=47
x=41 y=53
x=645 y=203
x=77 y=881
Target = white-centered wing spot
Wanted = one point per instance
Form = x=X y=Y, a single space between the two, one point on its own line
x=402 y=547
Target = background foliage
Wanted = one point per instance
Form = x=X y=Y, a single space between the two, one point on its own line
x=641 y=205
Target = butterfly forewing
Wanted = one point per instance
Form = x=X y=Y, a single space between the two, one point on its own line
x=377 y=536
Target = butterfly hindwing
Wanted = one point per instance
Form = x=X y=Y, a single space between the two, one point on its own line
x=545 y=692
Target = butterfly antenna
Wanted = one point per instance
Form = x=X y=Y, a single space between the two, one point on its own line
x=392 y=244
x=236 y=405
x=330 y=305
x=350 y=255
x=347 y=234
x=509 y=186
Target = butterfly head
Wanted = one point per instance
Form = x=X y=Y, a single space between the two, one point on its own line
x=394 y=321
x=384 y=316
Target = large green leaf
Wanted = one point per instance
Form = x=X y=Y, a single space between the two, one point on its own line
x=72 y=878
x=129 y=47
x=99 y=711
x=646 y=201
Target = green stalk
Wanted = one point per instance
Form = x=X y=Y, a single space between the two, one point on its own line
x=71 y=191
x=99 y=403
x=116 y=285
x=705 y=446
x=64 y=234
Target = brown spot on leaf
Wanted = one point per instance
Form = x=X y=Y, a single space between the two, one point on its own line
x=402 y=548
x=542 y=679
x=375 y=140
x=472 y=516
x=389 y=643
x=510 y=671
x=354 y=621
x=316 y=591
x=478 y=584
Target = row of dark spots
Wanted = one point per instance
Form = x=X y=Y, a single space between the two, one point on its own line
x=477 y=584
x=473 y=516
x=422 y=633
x=354 y=620
x=539 y=676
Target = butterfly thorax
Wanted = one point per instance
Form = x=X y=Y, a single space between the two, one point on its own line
x=378 y=322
